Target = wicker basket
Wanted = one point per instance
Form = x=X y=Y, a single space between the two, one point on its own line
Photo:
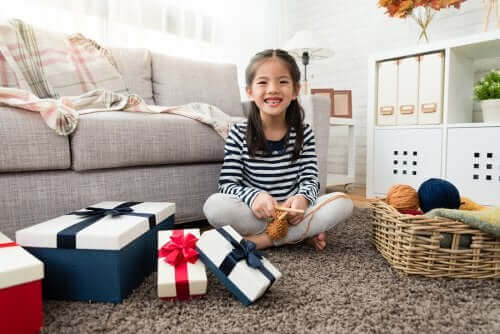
x=416 y=245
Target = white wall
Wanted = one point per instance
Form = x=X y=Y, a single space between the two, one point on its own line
x=355 y=29
x=250 y=35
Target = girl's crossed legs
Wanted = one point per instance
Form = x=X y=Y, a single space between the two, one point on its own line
x=222 y=209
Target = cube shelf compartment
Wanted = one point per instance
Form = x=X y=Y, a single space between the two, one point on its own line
x=456 y=146
x=410 y=90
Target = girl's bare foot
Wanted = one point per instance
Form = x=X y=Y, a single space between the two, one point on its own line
x=318 y=241
x=260 y=240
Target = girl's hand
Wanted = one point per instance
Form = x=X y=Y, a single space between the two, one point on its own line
x=296 y=202
x=263 y=205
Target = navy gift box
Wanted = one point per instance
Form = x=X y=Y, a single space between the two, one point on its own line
x=100 y=253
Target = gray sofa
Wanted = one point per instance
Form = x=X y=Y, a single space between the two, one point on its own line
x=126 y=156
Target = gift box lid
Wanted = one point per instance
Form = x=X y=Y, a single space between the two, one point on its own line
x=251 y=282
x=106 y=232
x=17 y=266
x=195 y=272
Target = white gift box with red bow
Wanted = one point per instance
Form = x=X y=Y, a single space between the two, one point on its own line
x=181 y=275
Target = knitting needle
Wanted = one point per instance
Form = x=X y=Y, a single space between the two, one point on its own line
x=289 y=209
x=282 y=216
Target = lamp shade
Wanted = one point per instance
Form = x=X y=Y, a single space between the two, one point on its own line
x=310 y=42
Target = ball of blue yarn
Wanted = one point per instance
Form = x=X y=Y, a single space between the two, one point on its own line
x=438 y=193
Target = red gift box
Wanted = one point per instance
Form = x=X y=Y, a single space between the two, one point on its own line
x=20 y=289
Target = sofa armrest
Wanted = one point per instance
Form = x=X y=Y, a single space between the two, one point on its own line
x=317 y=114
x=316 y=110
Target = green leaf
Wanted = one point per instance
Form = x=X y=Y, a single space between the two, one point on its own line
x=488 y=87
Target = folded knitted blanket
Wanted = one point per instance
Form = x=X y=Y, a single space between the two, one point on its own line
x=62 y=114
x=487 y=220
x=51 y=65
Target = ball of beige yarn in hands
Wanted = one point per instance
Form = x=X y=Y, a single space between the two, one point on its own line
x=403 y=197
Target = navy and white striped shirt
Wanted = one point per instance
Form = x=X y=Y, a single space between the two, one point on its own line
x=273 y=172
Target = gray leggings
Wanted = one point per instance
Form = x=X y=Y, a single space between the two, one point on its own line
x=222 y=209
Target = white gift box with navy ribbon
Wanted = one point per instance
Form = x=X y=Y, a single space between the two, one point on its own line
x=100 y=253
x=237 y=264
x=20 y=289
x=181 y=274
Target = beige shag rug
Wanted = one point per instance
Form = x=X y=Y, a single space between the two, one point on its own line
x=348 y=288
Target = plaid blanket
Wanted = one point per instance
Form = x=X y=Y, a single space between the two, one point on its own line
x=62 y=77
x=62 y=114
x=51 y=65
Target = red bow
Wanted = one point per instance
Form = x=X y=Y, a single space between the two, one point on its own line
x=179 y=249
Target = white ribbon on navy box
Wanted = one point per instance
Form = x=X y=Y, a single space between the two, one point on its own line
x=107 y=233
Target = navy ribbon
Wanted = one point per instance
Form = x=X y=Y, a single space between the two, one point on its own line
x=67 y=237
x=243 y=250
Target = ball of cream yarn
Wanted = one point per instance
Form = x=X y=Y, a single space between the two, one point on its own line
x=403 y=197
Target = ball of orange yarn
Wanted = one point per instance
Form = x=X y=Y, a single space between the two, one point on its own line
x=403 y=197
x=278 y=228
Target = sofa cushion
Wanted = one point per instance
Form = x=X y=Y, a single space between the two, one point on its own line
x=179 y=81
x=135 y=67
x=124 y=139
x=28 y=144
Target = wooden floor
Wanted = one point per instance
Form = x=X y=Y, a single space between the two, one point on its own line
x=356 y=192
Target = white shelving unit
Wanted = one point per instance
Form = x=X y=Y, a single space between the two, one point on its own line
x=457 y=149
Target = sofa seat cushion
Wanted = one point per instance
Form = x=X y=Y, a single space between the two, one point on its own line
x=28 y=144
x=124 y=139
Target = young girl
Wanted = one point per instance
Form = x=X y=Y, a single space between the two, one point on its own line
x=270 y=160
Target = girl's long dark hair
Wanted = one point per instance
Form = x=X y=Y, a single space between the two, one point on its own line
x=256 y=139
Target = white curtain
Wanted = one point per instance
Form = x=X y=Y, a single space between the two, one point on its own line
x=215 y=30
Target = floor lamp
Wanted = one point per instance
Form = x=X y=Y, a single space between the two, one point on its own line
x=305 y=46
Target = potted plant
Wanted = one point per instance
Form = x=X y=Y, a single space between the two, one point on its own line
x=487 y=92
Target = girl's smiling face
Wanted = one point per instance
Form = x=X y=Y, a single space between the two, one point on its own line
x=272 y=88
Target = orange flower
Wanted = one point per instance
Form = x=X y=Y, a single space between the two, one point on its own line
x=384 y=3
x=435 y=4
x=403 y=8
